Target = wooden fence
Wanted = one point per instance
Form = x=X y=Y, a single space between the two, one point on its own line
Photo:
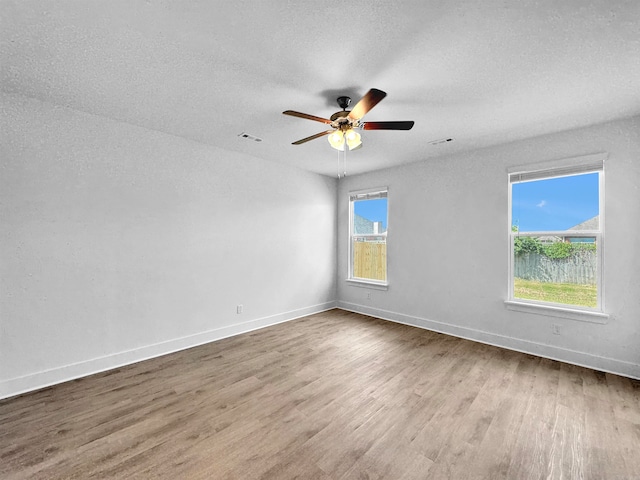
x=370 y=260
x=579 y=268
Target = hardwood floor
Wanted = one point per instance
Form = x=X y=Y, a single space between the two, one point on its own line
x=330 y=396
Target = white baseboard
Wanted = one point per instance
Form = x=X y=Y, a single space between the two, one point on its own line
x=38 y=380
x=582 y=359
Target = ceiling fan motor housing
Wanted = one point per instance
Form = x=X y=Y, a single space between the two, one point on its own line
x=339 y=119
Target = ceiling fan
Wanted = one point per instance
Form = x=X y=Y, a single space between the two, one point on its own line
x=343 y=123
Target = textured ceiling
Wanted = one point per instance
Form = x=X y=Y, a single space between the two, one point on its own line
x=482 y=73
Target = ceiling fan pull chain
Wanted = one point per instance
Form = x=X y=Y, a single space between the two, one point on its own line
x=345 y=162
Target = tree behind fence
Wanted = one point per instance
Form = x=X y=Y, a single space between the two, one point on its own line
x=579 y=268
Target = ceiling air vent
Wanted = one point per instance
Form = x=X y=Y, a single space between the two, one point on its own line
x=248 y=136
x=442 y=140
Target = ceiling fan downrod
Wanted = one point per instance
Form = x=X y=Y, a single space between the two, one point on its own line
x=343 y=102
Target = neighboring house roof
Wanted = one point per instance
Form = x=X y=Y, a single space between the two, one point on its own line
x=591 y=224
x=363 y=226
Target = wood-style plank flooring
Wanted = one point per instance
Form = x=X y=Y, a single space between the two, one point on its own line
x=335 y=395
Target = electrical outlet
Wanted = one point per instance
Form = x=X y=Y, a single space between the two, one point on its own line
x=368 y=295
x=555 y=328
x=239 y=309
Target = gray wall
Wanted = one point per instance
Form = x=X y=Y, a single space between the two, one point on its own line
x=120 y=243
x=447 y=248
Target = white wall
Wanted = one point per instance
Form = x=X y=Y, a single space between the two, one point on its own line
x=447 y=249
x=120 y=243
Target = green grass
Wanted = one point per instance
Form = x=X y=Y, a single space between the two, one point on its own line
x=567 y=293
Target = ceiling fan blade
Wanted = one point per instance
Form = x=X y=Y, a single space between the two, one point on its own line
x=307 y=116
x=388 y=125
x=313 y=137
x=366 y=103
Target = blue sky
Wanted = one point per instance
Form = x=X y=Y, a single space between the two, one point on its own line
x=374 y=210
x=555 y=203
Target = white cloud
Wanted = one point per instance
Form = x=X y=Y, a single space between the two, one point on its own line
x=542 y=204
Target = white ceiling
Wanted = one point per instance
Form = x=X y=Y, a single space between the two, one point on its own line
x=480 y=72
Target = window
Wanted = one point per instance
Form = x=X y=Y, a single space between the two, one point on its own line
x=368 y=236
x=556 y=241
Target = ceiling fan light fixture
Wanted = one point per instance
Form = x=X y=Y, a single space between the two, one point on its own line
x=336 y=139
x=353 y=139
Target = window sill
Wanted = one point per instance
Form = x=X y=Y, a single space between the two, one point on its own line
x=357 y=282
x=556 y=311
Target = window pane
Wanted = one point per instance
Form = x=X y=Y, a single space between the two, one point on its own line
x=556 y=235
x=553 y=204
x=551 y=269
x=370 y=258
x=369 y=216
x=368 y=241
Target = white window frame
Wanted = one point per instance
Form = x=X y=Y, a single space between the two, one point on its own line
x=566 y=167
x=368 y=194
